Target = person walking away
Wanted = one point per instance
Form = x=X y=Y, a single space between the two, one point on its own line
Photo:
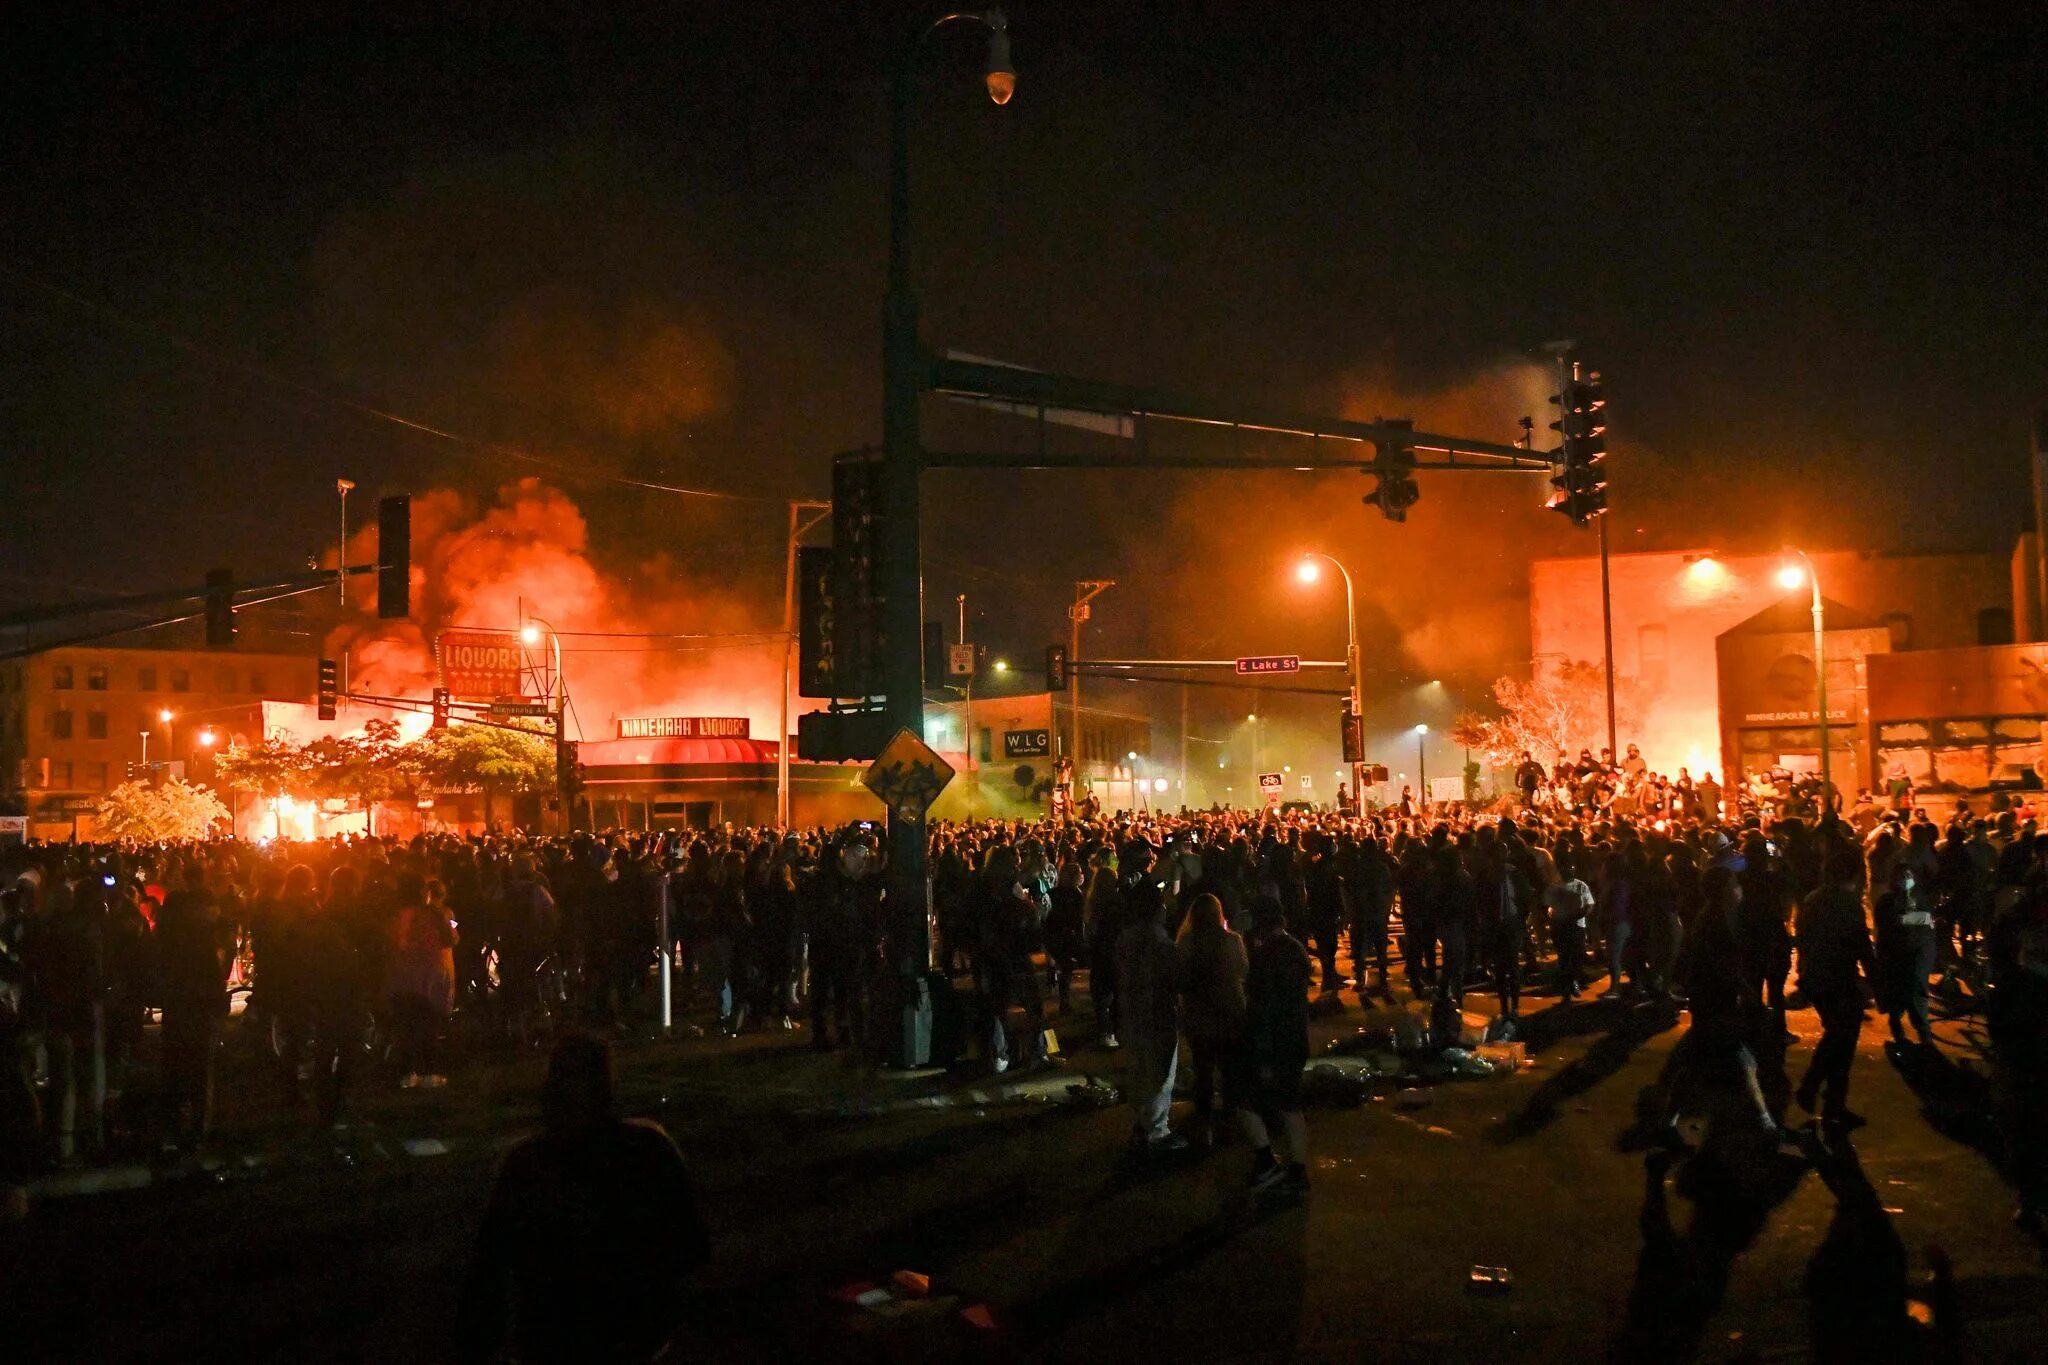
x=193 y=950
x=1715 y=1054
x=1148 y=975
x=1835 y=962
x=421 y=981
x=1418 y=919
x=1569 y=901
x=1065 y=930
x=591 y=1233
x=65 y=955
x=1326 y=907
x=1455 y=897
x=2017 y=944
x=337 y=1004
x=1371 y=880
x=1906 y=948
x=1108 y=917
x=1213 y=968
x=1501 y=930
x=1276 y=1016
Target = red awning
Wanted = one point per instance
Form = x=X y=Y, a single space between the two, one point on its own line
x=608 y=753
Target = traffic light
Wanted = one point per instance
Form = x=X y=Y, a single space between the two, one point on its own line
x=394 y=558
x=440 y=708
x=859 y=643
x=330 y=687
x=220 y=609
x=816 y=675
x=1353 y=730
x=1581 y=478
x=1056 y=668
x=1396 y=490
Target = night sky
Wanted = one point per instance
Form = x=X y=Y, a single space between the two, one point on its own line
x=1804 y=243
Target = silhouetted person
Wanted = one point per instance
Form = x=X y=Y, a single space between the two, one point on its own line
x=1835 y=960
x=590 y=1233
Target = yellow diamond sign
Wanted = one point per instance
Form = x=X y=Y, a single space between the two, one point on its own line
x=908 y=776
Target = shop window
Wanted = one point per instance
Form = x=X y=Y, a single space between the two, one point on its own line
x=60 y=725
x=181 y=680
x=60 y=677
x=95 y=725
x=96 y=678
x=983 y=744
x=145 y=678
x=1994 y=626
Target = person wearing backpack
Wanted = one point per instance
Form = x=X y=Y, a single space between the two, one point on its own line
x=193 y=951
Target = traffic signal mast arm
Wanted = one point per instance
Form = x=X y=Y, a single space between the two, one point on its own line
x=1051 y=393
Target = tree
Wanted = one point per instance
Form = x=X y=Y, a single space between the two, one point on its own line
x=174 y=812
x=483 y=758
x=1562 y=709
x=275 y=767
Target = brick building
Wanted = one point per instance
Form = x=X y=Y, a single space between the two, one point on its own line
x=73 y=719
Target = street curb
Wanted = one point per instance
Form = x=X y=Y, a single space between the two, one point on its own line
x=981 y=1097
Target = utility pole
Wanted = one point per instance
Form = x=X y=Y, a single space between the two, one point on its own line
x=797 y=527
x=1183 y=745
x=1086 y=590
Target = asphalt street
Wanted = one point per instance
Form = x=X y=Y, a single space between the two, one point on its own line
x=1043 y=1239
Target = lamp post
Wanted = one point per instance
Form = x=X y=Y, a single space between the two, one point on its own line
x=1791 y=578
x=1421 y=764
x=904 y=364
x=145 y=753
x=167 y=718
x=1308 y=571
x=530 y=631
x=342 y=486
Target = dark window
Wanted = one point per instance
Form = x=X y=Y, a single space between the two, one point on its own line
x=96 y=678
x=181 y=680
x=145 y=678
x=60 y=725
x=256 y=681
x=60 y=677
x=1901 y=627
x=95 y=725
x=224 y=680
x=98 y=777
x=1994 y=626
x=60 y=772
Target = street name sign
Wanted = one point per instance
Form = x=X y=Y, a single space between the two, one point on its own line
x=1268 y=663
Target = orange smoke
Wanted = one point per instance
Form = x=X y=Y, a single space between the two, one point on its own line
x=479 y=564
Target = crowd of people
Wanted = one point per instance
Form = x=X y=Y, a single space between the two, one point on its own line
x=1203 y=934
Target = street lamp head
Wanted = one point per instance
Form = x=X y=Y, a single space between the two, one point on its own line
x=206 y=738
x=1002 y=78
x=1253 y=717
x=1308 y=571
x=1132 y=756
x=1002 y=665
x=529 y=634
x=1421 y=729
x=164 y=715
x=1791 y=576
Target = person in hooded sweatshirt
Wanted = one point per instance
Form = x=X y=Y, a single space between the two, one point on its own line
x=1148 y=969
x=591 y=1233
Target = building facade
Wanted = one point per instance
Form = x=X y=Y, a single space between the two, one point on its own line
x=1670 y=610
x=73 y=720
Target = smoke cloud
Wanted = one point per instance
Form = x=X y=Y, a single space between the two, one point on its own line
x=481 y=563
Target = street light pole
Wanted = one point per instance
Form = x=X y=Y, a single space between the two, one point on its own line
x=1422 y=764
x=529 y=633
x=797 y=527
x=342 y=486
x=1820 y=677
x=904 y=371
x=1351 y=655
